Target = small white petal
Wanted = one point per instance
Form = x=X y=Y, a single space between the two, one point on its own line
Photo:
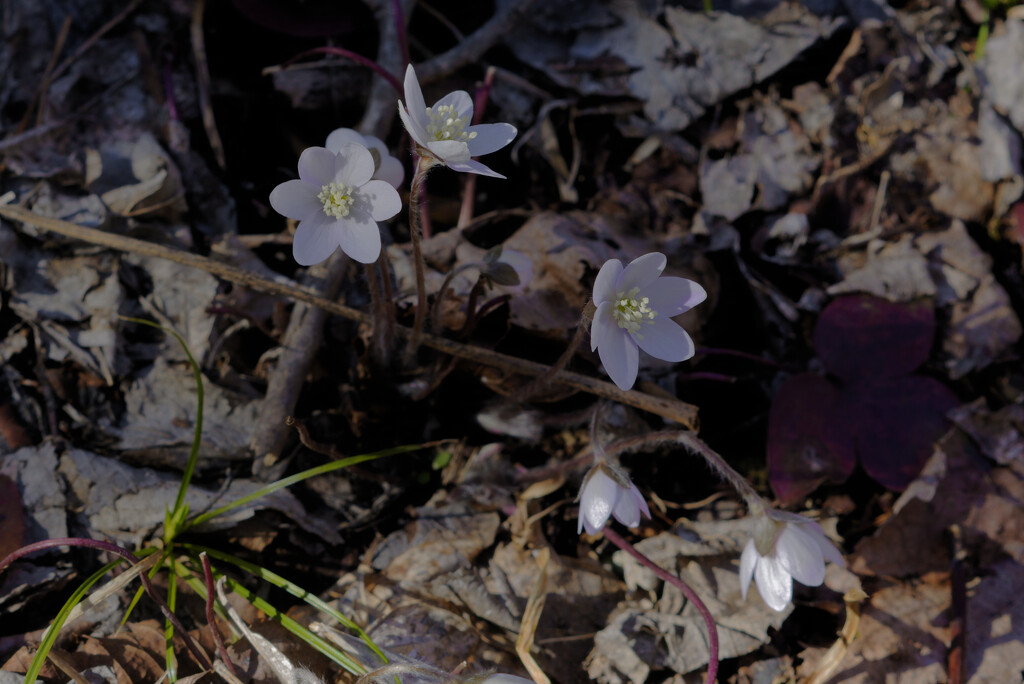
x=390 y=171
x=800 y=556
x=671 y=296
x=414 y=100
x=620 y=358
x=315 y=239
x=316 y=165
x=642 y=271
x=490 y=137
x=829 y=550
x=359 y=237
x=600 y=494
x=627 y=510
x=462 y=102
x=416 y=131
x=602 y=326
x=748 y=561
x=499 y=678
x=604 y=283
x=449 y=150
x=383 y=199
x=353 y=165
x=296 y=199
x=775 y=585
x=663 y=339
x=640 y=500
x=472 y=166
x=340 y=137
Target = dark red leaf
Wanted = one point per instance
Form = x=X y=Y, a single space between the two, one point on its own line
x=862 y=338
x=809 y=437
x=898 y=421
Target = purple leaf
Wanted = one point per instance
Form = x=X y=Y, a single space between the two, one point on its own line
x=897 y=422
x=809 y=437
x=861 y=338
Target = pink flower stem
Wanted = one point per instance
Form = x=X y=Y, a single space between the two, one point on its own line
x=469 y=189
x=355 y=57
x=613 y=536
x=403 y=36
x=381 y=345
x=197 y=652
x=716 y=351
x=211 y=620
x=423 y=165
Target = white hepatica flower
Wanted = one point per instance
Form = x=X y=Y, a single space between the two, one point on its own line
x=607 y=492
x=337 y=204
x=635 y=306
x=386 y=167
x=785 y=547
x=443 y=131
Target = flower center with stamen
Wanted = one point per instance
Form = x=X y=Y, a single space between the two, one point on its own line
x=445 y=124
x=337 y=199
x=631 y=312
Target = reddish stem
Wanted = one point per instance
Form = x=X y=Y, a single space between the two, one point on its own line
x=197 y=653
x=211 y=619
x=355 y=57
x=613 y=536
x=716 y=351
x=403 y=37
x=469 y=189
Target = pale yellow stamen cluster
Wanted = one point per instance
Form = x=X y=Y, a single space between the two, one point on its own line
x=337 y=199
x=445 y=124
x=631 y=312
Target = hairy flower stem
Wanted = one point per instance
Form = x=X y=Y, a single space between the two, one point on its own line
x=382 y=316
x=613 y=536
x=423 y=166
x=197 y=652
x=692 y=443
x=539 y=383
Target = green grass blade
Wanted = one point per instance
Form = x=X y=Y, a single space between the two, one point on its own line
x=193 y=456
x=299 y=477
x=342 y=659
x=292 y=588
x=58 y=622
x=172 y=599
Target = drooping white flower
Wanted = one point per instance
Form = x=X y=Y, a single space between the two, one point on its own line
x=444 y=131
x=337 y=204
x=386 y=167
x=785 y=547
x=635 y=306
x=607 y=491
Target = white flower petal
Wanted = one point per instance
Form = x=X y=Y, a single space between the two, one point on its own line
x=359 y=236
x=598 y=500
x=640 y=500
x=353 y=165
x=296 y=199
x=774 y=583
x=340 y=137
x=449 y=150
x=642 y=271
x=383 y=200
x=490 y=137
x=799 y=555
x=315 y=239
x=414 y=100
x=620 y=357
x=471 y=166
x=671 y=296
x=627 y=510
x=500 y=678
x=664 y=339
x=748 y=561
x=416 y=131
x=390 y=171
x=829 y=550
x=461 y=100
x=604 y=283
x=316 y=165
x=602 y=326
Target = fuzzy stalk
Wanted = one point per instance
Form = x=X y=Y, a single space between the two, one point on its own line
x=423 y=166
x=613 y=536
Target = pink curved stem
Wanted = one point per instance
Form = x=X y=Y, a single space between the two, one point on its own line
x=613 y=536
x=355 y=57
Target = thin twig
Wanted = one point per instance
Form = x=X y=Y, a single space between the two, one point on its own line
x=203 y=83
x=613 y=536
x=538 y=384
x=670 y=408
x=91 y=40
x=400 y=31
